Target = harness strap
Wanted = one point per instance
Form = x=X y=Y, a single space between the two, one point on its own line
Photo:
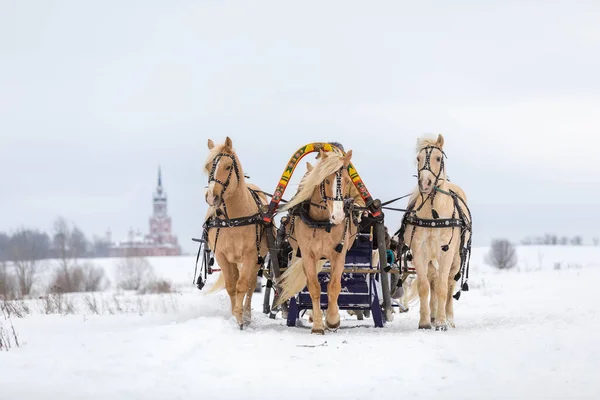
x=462 y=222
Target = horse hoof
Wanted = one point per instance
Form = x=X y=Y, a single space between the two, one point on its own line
x=424 y=326
x=317 y=331
x=389 y=316
x=332 y=327
x=441 y=326
x=241 y=327
x=246 y=319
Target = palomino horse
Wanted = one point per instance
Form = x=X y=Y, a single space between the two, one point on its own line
x=322 y=226
x=436 y=231
x=235 y=230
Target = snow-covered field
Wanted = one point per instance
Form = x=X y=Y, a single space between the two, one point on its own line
x=526 y=333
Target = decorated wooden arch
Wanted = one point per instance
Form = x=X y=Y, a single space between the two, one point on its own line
x=293 y=163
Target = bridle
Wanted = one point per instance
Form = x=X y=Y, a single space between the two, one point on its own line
x=338 y=188
x=211 y=175
x=427 y=166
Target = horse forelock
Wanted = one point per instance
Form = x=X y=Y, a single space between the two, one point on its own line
x=307 y=185
x=425 y=141
x=220 y=148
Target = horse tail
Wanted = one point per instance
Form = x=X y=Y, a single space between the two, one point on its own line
x=411 y=290
x=293 y=280
x=218 y=285
x=411 y=293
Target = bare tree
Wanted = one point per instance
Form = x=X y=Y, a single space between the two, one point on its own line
x=25 y=253
x=79 y=278
x=8 y=287
x=4 y=247
x=69 y=245
x=133 y=273
x=502 y=254
x=100 y=247
x=94 y=278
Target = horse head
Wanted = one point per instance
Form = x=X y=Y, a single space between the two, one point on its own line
x=224 y=172
x=430 y=163
x=333 y=187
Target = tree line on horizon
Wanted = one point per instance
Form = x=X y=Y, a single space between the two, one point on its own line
x=556 y=240
x=36 y=244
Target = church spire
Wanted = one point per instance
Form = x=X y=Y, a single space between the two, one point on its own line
x=159 y=194
x=159 y=177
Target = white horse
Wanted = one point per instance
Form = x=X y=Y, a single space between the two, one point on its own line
x=437 y=233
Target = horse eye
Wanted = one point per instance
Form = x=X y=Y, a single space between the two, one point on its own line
x=227 y=168
x=419 y=159
x=327 y=181
x=439 y=159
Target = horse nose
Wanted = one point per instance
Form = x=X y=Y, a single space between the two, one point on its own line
x=428 y=182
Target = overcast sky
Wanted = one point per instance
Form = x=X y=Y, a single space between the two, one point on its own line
x=95 y=95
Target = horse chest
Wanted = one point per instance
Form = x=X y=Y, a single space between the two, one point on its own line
x=234 y=243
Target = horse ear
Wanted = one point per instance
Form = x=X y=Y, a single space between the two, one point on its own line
x=228 y=143
x=440 y=141
x=322 y=154
x=211 y=145
x=346 y=158
x=309 y=166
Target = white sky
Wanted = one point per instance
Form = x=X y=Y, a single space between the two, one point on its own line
x=94 y=96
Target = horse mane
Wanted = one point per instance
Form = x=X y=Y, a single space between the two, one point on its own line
x=425 y=141
x=322 y=170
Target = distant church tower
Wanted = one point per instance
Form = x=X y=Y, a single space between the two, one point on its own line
x=160 y=222
x=160 y=241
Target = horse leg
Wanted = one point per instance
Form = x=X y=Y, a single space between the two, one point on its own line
x=247 y=312
x=231 y=274
x=243 y=285
x=314 y=288
x=423 y=288
x=332 y=319
x=433 y=300
x=441 y=290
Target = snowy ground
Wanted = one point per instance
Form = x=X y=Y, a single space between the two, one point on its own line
x=527 y=333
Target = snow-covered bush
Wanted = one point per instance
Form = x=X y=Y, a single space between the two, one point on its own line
x=502 y=254
x=133 y=273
